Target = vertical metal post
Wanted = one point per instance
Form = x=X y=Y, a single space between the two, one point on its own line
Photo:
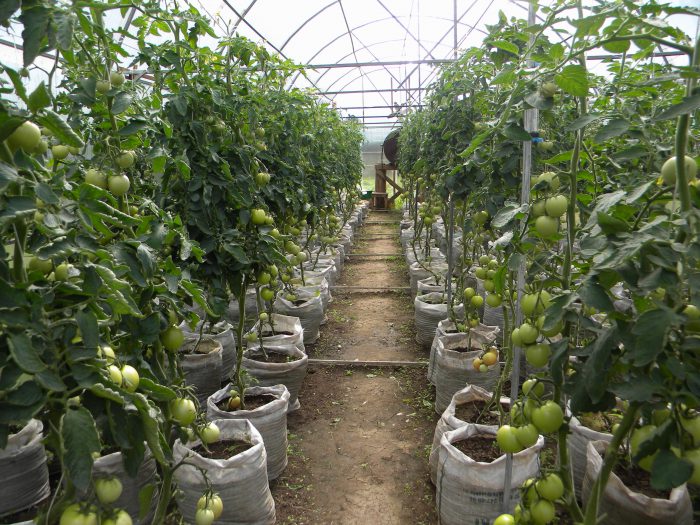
x=530 y=121
x=450 y=238
x=454 y=28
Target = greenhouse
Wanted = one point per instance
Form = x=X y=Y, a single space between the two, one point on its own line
x=338 y=262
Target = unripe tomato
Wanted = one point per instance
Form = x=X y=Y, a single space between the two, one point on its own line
x=527 y=435
x=267 y=294
x=258 y=216
x=542 y=512
x=73 y=515
x=26 y=136
x=507 y=440
x=213 y=503
x=515 y=338
x=548 y=89
x=548 y=418
x=546 y=227
x=116 y=78
x=669 y=171
x=550 y=487
x=115 y=374
x=477 y=363
x=490 y=358
x=528 y=333
x=264 y=278
x=108 y=353
x=59 y=151
x=121 y=518
x=469 y=293
x=126 y=159
x=489 y=285
x=477 y=301
x=556 y=206
x=108 y=490
x=538 y=354
x=130 y=378
x=504 y=519
x=118 y=184
x=204 y=517
x=103 y=86
x=183 y=411
x=534 y=386
x=96 y=178
x=62 y=272
x=493 y=300
x=210 y=434
x=172 y=338
x=480 y=273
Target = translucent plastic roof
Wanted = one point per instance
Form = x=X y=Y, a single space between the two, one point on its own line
x=399 y=43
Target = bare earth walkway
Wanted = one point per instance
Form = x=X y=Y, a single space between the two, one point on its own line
x=359 y=443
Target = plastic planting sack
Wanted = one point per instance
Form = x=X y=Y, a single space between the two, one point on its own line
x=290 y=373
x=430 y=284
x=328 y=271
x=453 y=368
x=308 y=310
x=241 y=480
x=419 y=271
x=24 y=475
x=270 y=420
x=406 y=235
x=618 y=504
x=251 y=309
x=469 y=491
x=494 y=317
x=202 y=367
x=429 y=310
x=449 y=421
x=419 y=254
x=112 y=466
x=482 y=334
x=316 y=283
x=223 y=332
x=578 y=441
x=279 y=330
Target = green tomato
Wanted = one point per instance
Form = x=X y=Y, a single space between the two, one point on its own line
x=546 y=227
x=515 y=337
x=108 y=490
x=504 y=519
x=275 y=233
x=546 y=145
x=59 y=151
x=527 y=435
x=62 y=272
x=692 y=311
x=96 y=178
x=480 y=273
x=183 y=411
x=534 y=386
x=130 y=378
x=172 y=338
x=668 y=170
x=484 y=260
x=258 y=216
x=489 y=285
x=26 y=136
x=477 y=301
x=73 y=515
x=40 y=265
x=121 y=518
x=528 y=333
x=204 y=517
x=537 y=355
x=264 y=278
x=538 y=208
x=481 y=217
x=116 y=78
x=263 y=317
x=115 y=375
x=267 y=294
x=548 y=417
x=692 y=426
x=694 y=457
x=469 y=293
x=212 y=502
x=507 y=440
x=556 y=206
x=103 y=86
x=118 y=184
x=210 y=434
x=639 y=436
x=550 y=487
x=126 y=159
x=493 y=300
x=107 y=353
x=41 y=147
x=549 y=89
x=542 y=512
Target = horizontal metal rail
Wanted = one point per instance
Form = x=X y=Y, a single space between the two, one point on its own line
x=367 y=364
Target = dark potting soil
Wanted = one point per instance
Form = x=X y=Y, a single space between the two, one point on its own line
x=23 y=515
x=463 y=349
x=270 y=333
x=473 y=412
x=251 y=402
x=273 y=357
x=479 y=448
x=638 y=480
x=223 y=449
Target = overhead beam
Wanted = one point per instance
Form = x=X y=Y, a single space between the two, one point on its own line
x=380 y=63
x=360 y=91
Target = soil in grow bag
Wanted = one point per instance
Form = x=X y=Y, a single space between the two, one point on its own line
x=479 y=448
x=637 y=479
x=223 y=449
x=268 y=333
x=470 y=412
x=251 y=402
x=272 y=357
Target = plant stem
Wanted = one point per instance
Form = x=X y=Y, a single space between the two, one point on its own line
x=166 y=494
x=239 y=343
x=611 y=455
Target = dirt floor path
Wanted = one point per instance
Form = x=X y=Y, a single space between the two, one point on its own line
x=360 y=442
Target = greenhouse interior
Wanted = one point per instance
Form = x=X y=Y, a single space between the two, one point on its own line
x=337 y=262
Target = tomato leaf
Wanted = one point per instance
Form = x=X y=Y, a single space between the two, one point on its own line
x=650 y=331
x=573 y=79
x=36 y=19
x=25 y=353
x=80 y=439
x=669 y=471
x=87 y=322
x=39 y=98
x=582 y=121
x=689 y=105
x=60 y=128
x=613 y=128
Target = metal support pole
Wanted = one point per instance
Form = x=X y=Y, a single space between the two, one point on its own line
x=450 y=238
x=454 y=28
x=530 y=121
